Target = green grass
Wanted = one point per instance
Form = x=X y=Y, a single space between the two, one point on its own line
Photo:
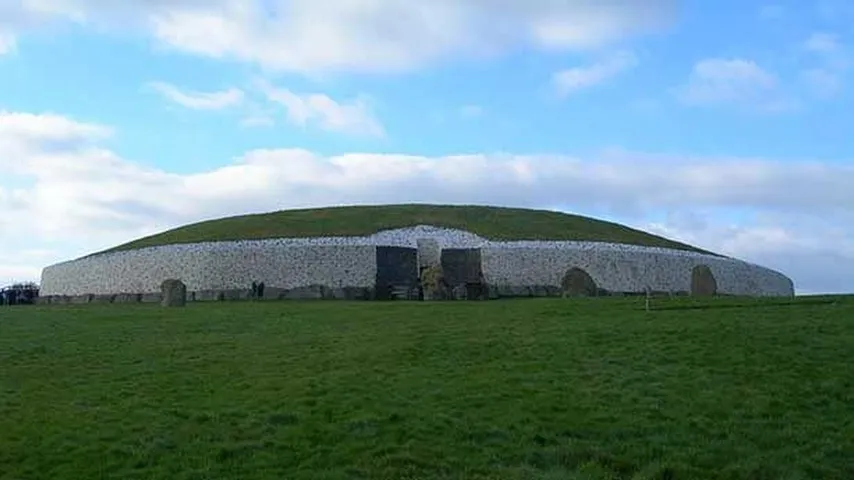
x=490 y=222
x=515 y=389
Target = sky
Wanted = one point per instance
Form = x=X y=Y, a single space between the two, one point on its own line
x=728 y=124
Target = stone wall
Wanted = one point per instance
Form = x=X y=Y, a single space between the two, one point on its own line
x=615 y=268
x=215 y=267
x=346 y=267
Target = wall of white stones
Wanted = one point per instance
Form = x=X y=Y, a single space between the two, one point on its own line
x=214 y=267
x=619 y=269
x=351 y=262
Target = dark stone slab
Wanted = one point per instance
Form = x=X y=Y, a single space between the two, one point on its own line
x=477 y=291
x=553 y=291
x=308 y=292
x=538 y=291
x=459 y=292
x=127 y=298
x=151 y=298
x=273 y=293
x=461 y=266
x=207 y=296
x=81 y=299
x=103 y=298
x=397 y=267
x=359 y=293
x=235 y=294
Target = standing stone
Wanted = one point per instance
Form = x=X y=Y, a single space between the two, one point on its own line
x=429 y=252
x=462 y=273
x=578 y=283
x=703 y=283
x=174 y=293
x=397 y=271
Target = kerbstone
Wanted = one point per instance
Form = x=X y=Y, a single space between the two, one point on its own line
x=173 y=293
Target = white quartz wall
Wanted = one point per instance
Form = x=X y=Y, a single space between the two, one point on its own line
x=214 y=267
x=351 y=262
x=620 y=269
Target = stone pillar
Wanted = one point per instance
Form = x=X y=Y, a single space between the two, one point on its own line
x=174 y=293
x=430 y=268
x=429 y=253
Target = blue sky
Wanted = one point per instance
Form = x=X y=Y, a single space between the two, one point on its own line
x=725 y=124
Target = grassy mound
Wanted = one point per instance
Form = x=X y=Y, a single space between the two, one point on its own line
x=490 y=222
x=516 y=389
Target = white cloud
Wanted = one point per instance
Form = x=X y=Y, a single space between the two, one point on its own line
x=7 y=43
x=573 y=79
x=734 y=82
x=21 y=130
x=362 y=35
x=199 y=100
x=77 y=197
x=822 y=82
x=824 y=43
x=353 y=117
x=816 y=252
x=830 y=60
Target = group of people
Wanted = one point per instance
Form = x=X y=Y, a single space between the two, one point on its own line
x=257 y=290
x=18 y=295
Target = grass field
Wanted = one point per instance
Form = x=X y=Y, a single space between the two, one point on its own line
x=515 y=389
x=490 y=222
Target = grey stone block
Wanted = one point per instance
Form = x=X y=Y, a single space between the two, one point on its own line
x=235 y=294
x=127 y=298
x=459 y=292
x=273 y=293
x=103 y=298
x=81 y=299
x=151 y=298
x=207 y=296
x=173 y=293
x=539 y=291
x=309 y=292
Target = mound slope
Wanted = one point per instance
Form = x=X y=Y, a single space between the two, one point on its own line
x=493 y=223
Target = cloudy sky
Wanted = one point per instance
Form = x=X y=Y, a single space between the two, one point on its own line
x=726 y=124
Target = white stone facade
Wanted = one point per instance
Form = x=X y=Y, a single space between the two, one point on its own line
x=213 y=266
x=351 y=262
x=619 y=269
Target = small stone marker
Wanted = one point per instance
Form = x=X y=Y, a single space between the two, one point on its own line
x=648 y=297
x=174 y=293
